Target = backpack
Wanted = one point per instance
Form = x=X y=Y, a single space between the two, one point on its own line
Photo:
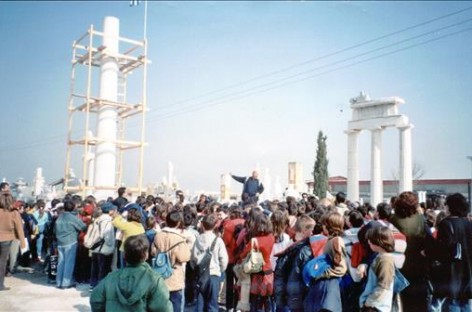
x=315 y=268
x=161 y=262
x=202 y=269
x=320 y=261
x=93 y=239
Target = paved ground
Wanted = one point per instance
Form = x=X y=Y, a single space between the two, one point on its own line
x=31 y=292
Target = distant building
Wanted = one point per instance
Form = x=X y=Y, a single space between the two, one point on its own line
x=390 y=187
x=295 y=176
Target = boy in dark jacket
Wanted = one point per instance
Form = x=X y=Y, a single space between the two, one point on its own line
x=289 y=287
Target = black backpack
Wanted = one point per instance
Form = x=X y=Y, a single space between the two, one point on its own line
x=202 y=270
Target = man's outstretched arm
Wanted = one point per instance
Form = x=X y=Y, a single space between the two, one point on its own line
x=239 y=179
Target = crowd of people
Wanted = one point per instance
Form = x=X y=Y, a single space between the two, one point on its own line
x=290 y=255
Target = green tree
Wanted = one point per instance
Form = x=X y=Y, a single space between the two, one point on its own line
x=320 y=172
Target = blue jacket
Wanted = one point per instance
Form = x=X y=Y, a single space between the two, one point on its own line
x=289 y=287
x=67 y=228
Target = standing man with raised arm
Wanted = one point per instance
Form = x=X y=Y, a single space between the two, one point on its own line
x=252 y=187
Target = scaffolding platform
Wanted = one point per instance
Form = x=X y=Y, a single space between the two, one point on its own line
x=85 y=103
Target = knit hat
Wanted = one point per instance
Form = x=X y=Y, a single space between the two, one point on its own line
x=106 y=207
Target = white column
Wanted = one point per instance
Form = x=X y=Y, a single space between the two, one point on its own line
x=406 y=166
x=225 y=187
x=376 y=183
x=352 y=165
x=267 y=194
x=105 y=154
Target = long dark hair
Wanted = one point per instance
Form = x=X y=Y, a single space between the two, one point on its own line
x=279 y=222
x=261 y=226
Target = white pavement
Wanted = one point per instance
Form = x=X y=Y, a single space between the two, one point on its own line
x=31 y=292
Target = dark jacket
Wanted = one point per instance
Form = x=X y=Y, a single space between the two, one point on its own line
x=133 y=288
x=456 y=273
x=120 y=203
x=289 y=288
x=251 y=186
x=416 y=231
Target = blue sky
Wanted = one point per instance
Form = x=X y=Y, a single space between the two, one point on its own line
x=233 y=85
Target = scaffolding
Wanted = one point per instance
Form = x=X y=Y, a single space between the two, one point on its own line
x=85 y=103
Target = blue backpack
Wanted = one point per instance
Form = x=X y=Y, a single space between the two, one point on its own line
x=315 y=268
x=162 y=264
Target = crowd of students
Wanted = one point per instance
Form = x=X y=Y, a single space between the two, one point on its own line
x=318 y=255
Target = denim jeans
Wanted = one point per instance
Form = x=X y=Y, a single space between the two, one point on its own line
x=4 y=252
x=208 y=301
x=101 y=266
x=176 y=298
x=66 y=265
x=456 y=305
x=39 y=244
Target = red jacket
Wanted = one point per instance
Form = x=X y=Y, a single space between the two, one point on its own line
x=265 y=246
x=229 y=239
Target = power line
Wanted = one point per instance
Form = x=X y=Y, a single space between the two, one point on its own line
x=193 y=109
x=218 y=100
x=243 y=92
x=35 y=142
x=280 y=85
x=317 y=58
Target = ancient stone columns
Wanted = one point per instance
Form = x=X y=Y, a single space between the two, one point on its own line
x=406 y=170
x=376 y=115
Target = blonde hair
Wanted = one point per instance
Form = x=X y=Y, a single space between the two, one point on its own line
x=304 y=223
x=326 y=202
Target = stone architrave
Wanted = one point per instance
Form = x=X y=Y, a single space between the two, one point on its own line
x=376 y=115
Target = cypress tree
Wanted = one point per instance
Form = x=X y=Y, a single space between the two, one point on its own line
x=320 y=172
